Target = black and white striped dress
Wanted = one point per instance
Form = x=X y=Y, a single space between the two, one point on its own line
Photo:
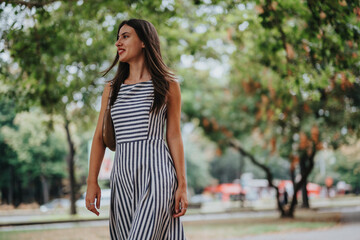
x=143 y=178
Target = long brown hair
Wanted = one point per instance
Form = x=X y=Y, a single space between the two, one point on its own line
x=160 y=73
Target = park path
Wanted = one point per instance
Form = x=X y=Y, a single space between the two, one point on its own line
x=349 y=231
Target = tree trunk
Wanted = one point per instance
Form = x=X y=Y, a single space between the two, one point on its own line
x=285 y=213
x=269 y=175
x=303 y=168
x=45 y=189
x=292 y=175
x=71 y=169
x=30 y=192
x=304 y=194
x=11 y=187
x=303 y=180
x=18 y=193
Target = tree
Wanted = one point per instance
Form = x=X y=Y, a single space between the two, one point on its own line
x=7 y=154
x=38 y=160
x=347 y=166
x=51 y=70
x=51 y=46
x=290 y=65
x=285 y=89
x=198 y=154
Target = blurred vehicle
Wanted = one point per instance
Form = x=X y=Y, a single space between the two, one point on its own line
x=342 y=187
x=313 y=189
x=225 y=190
x=286 y=185
x=251 y=194
x=254 y=189
x=200 y=198
x=105 y=198
x=57 y=203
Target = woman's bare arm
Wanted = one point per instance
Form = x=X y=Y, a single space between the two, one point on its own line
x=96 y=156
x=175 y=144
x=173 y=132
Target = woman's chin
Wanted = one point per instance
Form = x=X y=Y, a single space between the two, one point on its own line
x=122 y=60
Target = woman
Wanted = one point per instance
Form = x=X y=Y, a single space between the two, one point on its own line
x=148 y=182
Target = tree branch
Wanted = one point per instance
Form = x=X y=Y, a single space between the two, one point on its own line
x=283 y=37
x=307 y=171
x=37 y=4
x=269 y=175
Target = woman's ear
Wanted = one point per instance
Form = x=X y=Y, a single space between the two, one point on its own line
x=143 y=45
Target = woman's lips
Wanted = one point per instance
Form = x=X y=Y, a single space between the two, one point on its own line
x=121 y=51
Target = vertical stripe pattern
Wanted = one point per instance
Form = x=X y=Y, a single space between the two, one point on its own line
x=143 y=179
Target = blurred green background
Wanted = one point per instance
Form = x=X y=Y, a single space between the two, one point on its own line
x=270 y=88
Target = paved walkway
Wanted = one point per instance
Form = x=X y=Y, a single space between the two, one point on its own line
x=349 y=229
x=343 y=232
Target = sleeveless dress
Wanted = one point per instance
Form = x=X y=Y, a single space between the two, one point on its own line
x=143 y=179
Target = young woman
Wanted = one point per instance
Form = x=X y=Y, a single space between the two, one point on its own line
x=148 y=182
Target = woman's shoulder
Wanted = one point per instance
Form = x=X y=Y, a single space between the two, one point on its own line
x=174 y=91
x=174 y=84
x=108 y=84
x=107 y=88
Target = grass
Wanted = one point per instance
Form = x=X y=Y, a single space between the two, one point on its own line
x=85 y=233
x=209 y=230
x=236 y=228
x=82 y=215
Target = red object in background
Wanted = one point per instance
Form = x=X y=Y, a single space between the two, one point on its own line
x=211 y=189
x=225 y=189
x=229 y=188
x=312 y=188
x=285 y=184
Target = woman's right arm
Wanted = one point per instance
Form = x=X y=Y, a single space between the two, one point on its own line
x=96 y=156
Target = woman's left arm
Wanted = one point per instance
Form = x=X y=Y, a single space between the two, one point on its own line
x=175 y=144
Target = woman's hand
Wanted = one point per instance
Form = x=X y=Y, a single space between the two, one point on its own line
x=93 y=192
x=181 y=202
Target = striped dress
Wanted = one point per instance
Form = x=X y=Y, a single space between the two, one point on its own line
x=143 y=179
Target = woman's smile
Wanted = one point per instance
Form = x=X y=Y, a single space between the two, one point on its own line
x=121 y=50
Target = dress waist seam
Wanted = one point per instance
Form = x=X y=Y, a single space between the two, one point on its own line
x=142 y=140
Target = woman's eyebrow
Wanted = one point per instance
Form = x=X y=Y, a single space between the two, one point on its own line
x=124 y=33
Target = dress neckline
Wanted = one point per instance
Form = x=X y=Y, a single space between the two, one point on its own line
x=135 y=83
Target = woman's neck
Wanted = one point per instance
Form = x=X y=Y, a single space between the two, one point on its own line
x=138 y=71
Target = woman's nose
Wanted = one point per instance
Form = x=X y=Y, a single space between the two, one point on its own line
x=118 y=43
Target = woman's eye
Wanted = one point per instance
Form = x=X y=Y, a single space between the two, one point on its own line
x=123 y=37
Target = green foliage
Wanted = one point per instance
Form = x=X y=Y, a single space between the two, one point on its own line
x=7 y=154
x=350 y=173
x=290 y=75
x=39 y=153
x=290 y=79
x=29 y=155
x=230 y=165
x=198 y=153
x=226 y=168
x=347 y=166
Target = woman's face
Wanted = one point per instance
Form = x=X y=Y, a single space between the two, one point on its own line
x=129 y=46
